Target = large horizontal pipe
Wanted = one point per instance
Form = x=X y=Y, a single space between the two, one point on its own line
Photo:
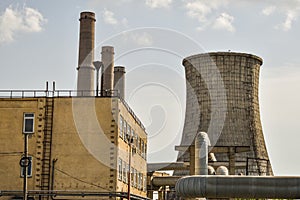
x=151 y=167
x=165 y=180
x=281 y=187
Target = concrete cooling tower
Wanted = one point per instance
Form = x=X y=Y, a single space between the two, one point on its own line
x=222 y=100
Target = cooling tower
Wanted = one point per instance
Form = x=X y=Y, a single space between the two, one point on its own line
x=107 y=76
x=222 y=100
x=119 y=81
x=86 y=70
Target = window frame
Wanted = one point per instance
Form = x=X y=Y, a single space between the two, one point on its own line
x=25 y=118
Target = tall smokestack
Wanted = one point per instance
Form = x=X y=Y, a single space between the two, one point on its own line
x=107 y=76
x=119 y=81
x=86 y=70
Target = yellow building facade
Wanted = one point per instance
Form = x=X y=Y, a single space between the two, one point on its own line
x=77 y=145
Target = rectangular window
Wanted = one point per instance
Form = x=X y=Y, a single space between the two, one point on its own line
x=145 y=184
x=134 y=177
x=127 y=170
x=142 y=148
x=28 y=123
x=120 y=173
x=121 y=126
x=128 y=131
x=124 y=130
x=124 y=172
x=138 y=180
x=29 y=168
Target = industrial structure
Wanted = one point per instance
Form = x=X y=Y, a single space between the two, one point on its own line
x=222 y=100
x=56 y=144
x=89 y=143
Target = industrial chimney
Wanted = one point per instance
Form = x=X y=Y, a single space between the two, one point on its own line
x=119 y=81
x=86 y=70
x=107 y=76
x=232 y=110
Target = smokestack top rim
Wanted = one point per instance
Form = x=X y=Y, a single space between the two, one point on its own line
x=222 y=53
x=108 y=48
x=87 y=15
x=119 y=69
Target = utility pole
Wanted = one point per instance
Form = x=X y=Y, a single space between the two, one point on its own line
x=129 y=163
x=25 y=162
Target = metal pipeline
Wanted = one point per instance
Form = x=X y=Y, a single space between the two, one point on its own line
x=281 y=187
x=165 y=180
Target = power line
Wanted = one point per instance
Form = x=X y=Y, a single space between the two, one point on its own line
x=92 y=184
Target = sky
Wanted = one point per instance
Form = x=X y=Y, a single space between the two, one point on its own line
x=39 y=43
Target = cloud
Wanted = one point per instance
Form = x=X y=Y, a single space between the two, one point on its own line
x=14 y=21
x=204 y=11
x=139 y=39
x=287 y=24
x=109 y=18
x=143 y=39
x=224 y=22
x=268 y=10
x=200 y=9
x=158 y=3
x=290 y=8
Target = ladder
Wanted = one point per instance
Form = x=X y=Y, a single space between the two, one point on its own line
x=47 y=143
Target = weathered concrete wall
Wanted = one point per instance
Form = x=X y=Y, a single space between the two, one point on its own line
x=85 y=141
x=222 y=100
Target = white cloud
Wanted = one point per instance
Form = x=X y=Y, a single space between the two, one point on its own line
x=158 y=3
x=200 y=9
x=224 y=22
x=139 y=39
x=287 y=24
x=25 y=20
x=109 y=17
x=269 y=10
x=143 y=39
x=290 y=8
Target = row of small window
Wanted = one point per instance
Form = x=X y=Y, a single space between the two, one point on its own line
x=129 y=135
x=137 y=179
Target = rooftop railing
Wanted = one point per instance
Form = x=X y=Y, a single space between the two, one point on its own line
x=69 y=93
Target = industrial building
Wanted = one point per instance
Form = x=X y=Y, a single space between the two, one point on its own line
x=89 y=143
x=78 y=143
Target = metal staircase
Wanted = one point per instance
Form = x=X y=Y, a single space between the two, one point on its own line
x=47 y=143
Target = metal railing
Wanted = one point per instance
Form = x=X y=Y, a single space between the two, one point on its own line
x=69 y=93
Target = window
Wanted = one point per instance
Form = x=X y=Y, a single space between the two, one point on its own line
x=125 y=130
x=29 y=167
x=131 y=177
x=138 y=180
x=129 y=131
x=134 y=177
x=145 y=184
x=28 y=123
x=124 y=172
x=120 y=173
x=142 y=149
x=121 y=126
x=141 y=181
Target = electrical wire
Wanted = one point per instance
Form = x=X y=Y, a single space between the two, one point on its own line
x=75 y=178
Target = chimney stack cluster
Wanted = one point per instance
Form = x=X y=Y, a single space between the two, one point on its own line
x=112 y=78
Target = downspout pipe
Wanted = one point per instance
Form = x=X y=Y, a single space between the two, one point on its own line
x=254 y=187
